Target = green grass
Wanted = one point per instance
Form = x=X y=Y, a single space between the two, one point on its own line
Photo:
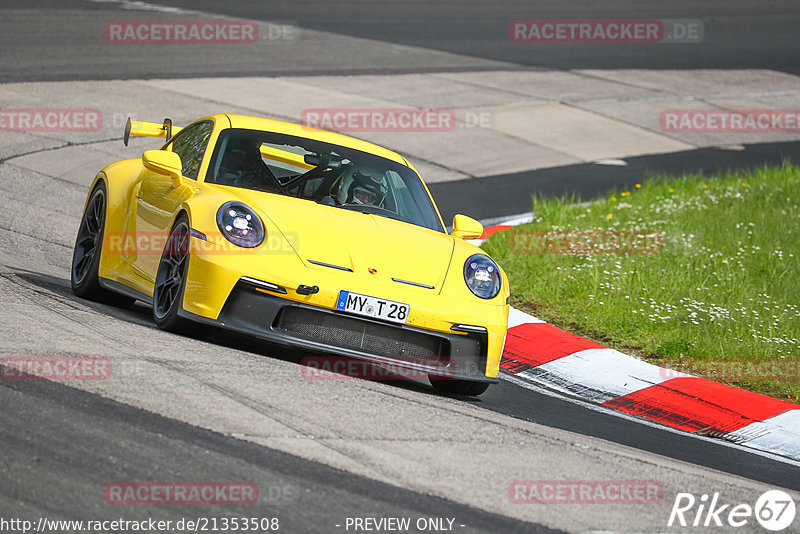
x=719 y=299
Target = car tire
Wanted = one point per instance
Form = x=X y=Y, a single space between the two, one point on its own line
x=171 y=279
x=84 y=277
x=458 y=387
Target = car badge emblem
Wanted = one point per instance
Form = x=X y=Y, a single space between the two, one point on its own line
x=372 y=271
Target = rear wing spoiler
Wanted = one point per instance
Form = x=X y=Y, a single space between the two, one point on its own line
x=284 y=156
x=166 y=130
x=149 y=129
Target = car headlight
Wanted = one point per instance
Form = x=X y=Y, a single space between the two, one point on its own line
x=482 y=276
x=240 y=225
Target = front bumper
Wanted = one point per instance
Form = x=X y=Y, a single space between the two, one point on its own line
x=253 y=311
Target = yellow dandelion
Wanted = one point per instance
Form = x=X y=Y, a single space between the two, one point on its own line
x=613 y=199
x=638 y=186
x=744 y=184
x=609 y=216
x=671 y=190
x=705 y=186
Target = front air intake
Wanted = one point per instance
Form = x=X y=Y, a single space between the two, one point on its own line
x=360 y=335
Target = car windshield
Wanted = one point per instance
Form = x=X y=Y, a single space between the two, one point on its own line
x=321 y=172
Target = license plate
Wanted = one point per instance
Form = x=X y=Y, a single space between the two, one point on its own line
x=373 y=307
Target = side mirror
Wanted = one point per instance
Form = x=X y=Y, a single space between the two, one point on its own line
x=466 y=228
x=164 y=162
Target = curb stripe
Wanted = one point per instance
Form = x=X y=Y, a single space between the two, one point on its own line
x=779 y=434
x=491 y=230
x=541 y=353
x=534 y=344
x=599 y=374
x=696 y=404
x=516 y=318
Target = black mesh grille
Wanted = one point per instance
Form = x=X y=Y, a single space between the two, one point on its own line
x=356 y=334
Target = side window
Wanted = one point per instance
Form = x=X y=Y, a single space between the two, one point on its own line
x=190 y=145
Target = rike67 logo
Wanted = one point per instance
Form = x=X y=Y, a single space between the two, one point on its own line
x=774 y=510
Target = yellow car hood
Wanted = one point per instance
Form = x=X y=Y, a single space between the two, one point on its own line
x=360 y=242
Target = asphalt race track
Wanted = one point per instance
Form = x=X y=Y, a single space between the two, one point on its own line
x=212 y=407
x=136 y=445
x=508 y=194
x=737 y=35
x=734 y=32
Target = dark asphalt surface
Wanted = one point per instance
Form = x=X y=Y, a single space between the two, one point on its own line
x=516 y=401
x=510 y=194
x=738 y=33
x=61 y=446
x=63 y=39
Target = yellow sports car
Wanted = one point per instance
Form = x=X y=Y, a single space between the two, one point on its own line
x=297 y=236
